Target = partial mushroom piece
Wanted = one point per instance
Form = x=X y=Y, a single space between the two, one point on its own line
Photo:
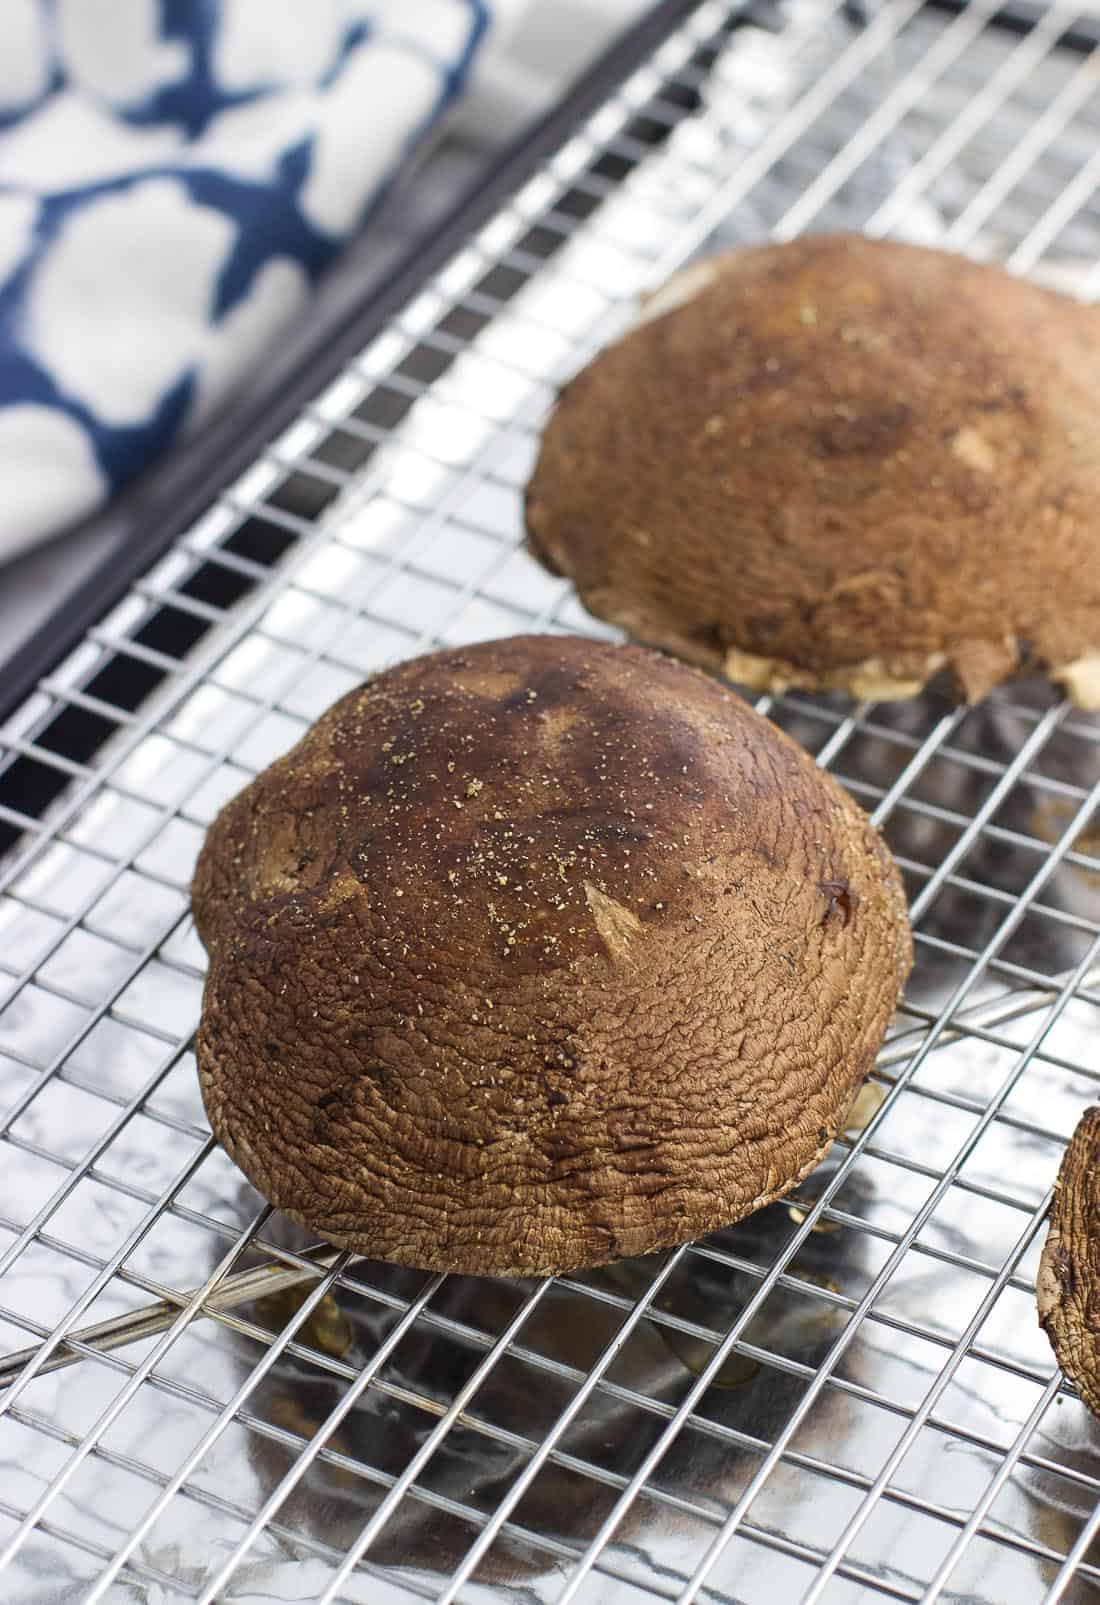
x=537 y=954
x=1068 y=1285
x=839 y=464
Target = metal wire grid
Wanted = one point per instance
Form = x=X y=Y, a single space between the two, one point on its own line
x=136 y=1469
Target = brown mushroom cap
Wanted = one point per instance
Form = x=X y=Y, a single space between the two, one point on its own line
x=1068 y=1284
x=839 y=462
x=538 y=953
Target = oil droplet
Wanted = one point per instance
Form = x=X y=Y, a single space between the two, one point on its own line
x=821 y=1227
x=327 y=1328
x=864 y=1107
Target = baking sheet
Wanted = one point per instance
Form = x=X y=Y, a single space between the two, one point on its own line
x=877 y=1380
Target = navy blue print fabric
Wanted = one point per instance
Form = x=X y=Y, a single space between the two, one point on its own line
x=173 y=176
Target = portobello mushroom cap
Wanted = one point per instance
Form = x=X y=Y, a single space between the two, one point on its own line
x=538 y=953
x=1068 y=1283
x=839 y=463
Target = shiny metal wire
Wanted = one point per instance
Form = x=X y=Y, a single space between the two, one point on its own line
x=844 y=1399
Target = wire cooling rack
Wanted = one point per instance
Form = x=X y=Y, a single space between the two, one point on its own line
x=845 y=1398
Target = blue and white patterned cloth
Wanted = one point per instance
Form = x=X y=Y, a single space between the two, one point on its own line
x=174 y=174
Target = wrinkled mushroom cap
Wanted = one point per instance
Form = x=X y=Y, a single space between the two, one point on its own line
x=843 y=463
x=538 y=953
x=1068 y=1284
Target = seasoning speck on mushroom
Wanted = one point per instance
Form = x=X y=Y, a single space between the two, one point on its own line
x=1068 y=1284
x=622 y=997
